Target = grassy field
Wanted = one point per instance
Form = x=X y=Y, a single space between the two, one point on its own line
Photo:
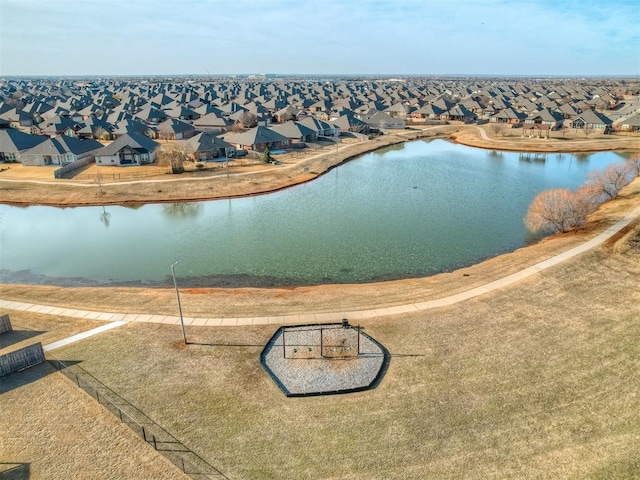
x=61 y=432
x=539 y=380
x=29 y=328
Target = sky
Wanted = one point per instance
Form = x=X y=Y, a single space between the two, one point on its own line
x=358 y=37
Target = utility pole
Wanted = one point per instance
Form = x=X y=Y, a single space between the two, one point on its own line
x=175 y=284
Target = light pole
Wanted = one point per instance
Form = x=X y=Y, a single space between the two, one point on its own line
x=175 y=284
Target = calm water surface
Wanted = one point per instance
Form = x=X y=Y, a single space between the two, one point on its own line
x=405 y=211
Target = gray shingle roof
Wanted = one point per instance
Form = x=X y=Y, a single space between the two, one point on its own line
x=257 y=135
x=14 y=141
x=131 y=140
x=63 y=144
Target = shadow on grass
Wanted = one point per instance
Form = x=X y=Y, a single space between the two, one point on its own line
x=203 y=344
x=15 y=471
x=29 y=375
x=17 y=336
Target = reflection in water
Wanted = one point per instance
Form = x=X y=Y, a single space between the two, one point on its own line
x=389 y=148
x=533 y=157
x=582 y=157
x=495 y=154
x=182 y=209
x=105 y=217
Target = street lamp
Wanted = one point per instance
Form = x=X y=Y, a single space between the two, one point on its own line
x=175 y=284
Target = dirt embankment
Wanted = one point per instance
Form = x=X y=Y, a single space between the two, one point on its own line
x=512 y=140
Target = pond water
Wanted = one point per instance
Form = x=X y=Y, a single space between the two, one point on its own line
x=404 y=211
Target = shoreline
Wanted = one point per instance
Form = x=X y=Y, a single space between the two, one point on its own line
x=253 y=301
x=68 y=194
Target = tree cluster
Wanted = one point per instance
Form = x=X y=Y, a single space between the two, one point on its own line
x=562 y=210
x=173 y=158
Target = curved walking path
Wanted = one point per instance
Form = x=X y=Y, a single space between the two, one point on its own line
x=117 y=319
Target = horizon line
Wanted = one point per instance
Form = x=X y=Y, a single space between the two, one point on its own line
x=299 y=75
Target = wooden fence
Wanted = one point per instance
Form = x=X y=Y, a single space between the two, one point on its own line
x=5 y=324
x=64 y=171
x=20 y=359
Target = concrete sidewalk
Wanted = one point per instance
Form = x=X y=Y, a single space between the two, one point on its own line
x=332 y=316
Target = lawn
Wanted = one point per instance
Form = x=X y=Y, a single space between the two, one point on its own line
x=538 y=380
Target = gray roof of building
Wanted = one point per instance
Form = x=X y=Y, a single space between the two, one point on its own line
x=131 y=140
x=292 y=129
x=205 y=141
x=14 y=141
x=257 y=135
x=63 y=144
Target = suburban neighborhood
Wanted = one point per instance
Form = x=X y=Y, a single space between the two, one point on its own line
x=125 y=121
x=337 y=240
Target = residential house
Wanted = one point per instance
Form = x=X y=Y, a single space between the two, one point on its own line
x=296 y=132
x=60 y=150
x=383 y=121
x=628 y=124
x=322 y=128
x=546 y=117
x=259 y=139
x=590 y=120
x=13 y=142
x=127 y=150
x=285 y=114
x=509 y=116
x=207 y=146
x=129 y=126
x=459 y=113
x=349 y=123
x=212 y=123
x=17 y=117
x=430 y=111
x=172 y=129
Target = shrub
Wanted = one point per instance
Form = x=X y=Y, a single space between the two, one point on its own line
x=560 y=210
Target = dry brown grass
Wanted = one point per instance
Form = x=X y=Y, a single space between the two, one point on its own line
x=469 y=135
x=626 y=242
x=62 y=433
x=29 y=328
x=538 y=380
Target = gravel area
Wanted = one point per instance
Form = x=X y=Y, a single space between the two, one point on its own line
x=315 y=366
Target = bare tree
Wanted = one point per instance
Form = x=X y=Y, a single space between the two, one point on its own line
x=563 y=130
x=559 y=210
x=496 y=128
x=165 y=133
x=634 y=165
x=588 y=128
x=611 y=180
x=248 y=119
x=286 y=116
x=173 y=158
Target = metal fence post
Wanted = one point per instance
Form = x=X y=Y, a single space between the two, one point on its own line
x=284 y=345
